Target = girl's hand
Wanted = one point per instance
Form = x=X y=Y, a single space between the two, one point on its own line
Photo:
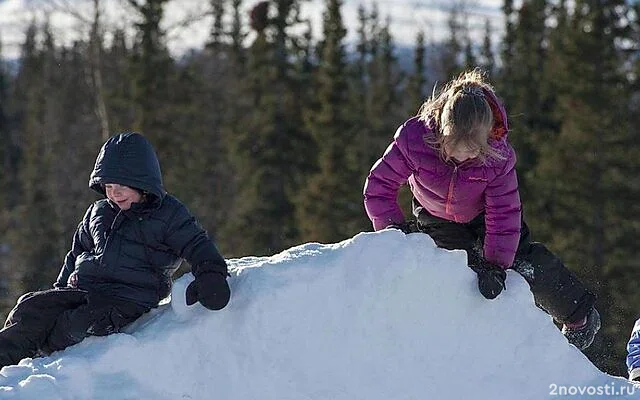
x=491 y=279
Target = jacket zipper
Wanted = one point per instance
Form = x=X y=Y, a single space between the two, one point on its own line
x=447 y=207
x=113 y=226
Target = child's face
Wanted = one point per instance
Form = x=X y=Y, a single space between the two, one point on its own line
x=460 y=152
x=122 y=195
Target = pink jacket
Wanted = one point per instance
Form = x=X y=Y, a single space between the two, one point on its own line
x=455 y=192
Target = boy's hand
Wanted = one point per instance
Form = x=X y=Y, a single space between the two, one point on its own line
x=210 y=289
x=490 y=279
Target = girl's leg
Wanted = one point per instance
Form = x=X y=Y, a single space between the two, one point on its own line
x=447 y=234
x=555 y=288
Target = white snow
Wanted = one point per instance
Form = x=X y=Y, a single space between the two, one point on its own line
x=380 y=316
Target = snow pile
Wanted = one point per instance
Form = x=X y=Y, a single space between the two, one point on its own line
x=380 y=316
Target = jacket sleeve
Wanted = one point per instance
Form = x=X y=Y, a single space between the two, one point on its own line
x=190 y=241
x=82 y=242
x=384 y=180
x=633 y=352
x=503 y=215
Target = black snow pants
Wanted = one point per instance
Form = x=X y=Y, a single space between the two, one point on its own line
x=555 y=288
x=51 y=320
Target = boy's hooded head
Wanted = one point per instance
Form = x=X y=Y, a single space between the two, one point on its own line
x=128 y=159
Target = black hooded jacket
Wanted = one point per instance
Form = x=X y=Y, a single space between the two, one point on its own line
x=132 y=254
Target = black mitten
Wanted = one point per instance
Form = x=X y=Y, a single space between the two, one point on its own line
x=406 y=226
x=490 y=279
x=210 y=289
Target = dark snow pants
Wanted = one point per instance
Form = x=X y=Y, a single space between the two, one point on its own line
x=51 y=320
x=555 y=288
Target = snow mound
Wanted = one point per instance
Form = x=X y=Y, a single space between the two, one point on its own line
x=380 y=316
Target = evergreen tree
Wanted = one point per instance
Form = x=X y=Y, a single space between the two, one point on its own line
x=119 y=84
x=529 y=100
x=95 y=71
x=217 y=28
x=237 y=36
x=5 y=178
x=386 y=111
x=359 y=84
x=35 y=251
x=504 y=82
x=328 y=204
x=416 y=88
x=470 y=60
x=270 y=151
x=4 y=140
x=204 y=82
x=488 y=61
x=152 y=65
x=360 y=66
x=590 y=210
x=450 y=65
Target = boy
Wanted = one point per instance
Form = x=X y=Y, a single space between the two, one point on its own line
x=124 y=253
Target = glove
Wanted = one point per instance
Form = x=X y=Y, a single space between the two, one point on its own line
x=490 y=279
x=210 y=289
x=406 y=226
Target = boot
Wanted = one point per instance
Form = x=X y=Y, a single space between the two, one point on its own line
x=582 y=336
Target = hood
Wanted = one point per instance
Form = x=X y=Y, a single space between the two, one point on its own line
x=128 y=159
x=500 y=124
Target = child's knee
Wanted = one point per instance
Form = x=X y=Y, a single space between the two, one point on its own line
x=541 y=257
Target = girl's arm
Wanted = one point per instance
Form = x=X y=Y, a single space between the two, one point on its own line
x=503 y=215
x=383 y=183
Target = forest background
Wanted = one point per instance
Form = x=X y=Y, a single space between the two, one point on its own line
x=267 y=132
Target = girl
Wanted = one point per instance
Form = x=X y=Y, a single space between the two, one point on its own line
x=123 y=255
x=461 y=170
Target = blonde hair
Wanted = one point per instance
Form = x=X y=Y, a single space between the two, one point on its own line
x=463 y=116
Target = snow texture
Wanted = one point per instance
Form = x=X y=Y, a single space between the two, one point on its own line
x=380 y=316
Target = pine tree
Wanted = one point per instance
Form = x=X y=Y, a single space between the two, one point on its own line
x=119 y=83
x=152 y=65
x=217 y=28
x=359 y=84
x=525 y=86
x=328 y=205
x=416 y=88
x=4 y=140
x=205 y=81
x=487 y=56
x=386 y=111
x=238 y=36
x=591 y=210
x=450 y=65
x=5 y=179
x=470 y=59
x=504 y=82
x=35 y=251
x=270 y=151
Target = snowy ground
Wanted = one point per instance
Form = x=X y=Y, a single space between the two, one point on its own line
x=380 y=316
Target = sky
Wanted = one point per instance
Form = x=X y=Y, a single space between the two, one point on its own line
x=407 y=18
x=378 y=316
